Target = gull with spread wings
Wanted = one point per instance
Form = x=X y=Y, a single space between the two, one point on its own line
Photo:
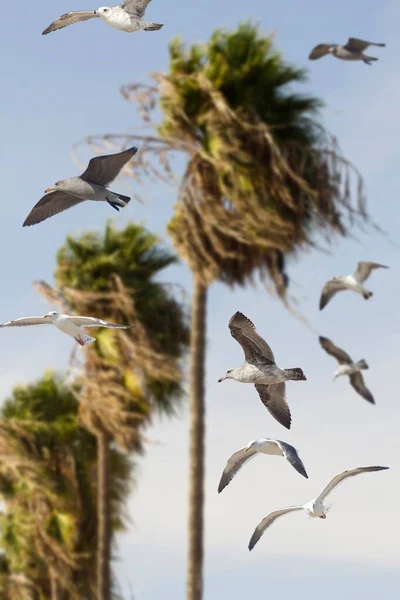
x=254 y=448
x=70 y=325
x=315 y=508
x=351 y=282
x=128 y=16
x=260 y=368
x=348 y=367
x=91 y=185
x=352 y=50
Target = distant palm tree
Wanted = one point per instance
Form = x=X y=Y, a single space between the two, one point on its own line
x=128 y=375
x=48 y=528
x=263 y=181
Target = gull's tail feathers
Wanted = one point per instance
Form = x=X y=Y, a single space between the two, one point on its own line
x=296 y=374
x=154 y=27
x=367 y=295
x=367 y=59
x=84 y=339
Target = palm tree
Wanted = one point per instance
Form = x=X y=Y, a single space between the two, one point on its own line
x=48 y=488
x=127 y=375
x=263 y=181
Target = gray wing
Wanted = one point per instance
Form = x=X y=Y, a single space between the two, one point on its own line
x=274 y=399
x=292 y=456
x=69 y=19
x=51 y=204
x=356 y=45
x=364 y=270
x=331 y=288
x=255 y=348
x=320 y=51
x=234 y=464
x=267 y=522
x=342 y=476
x=135 y=7
x=93 y=322
x=357 y=381
x=104 y=169
x=27 y=321
x=341 y=356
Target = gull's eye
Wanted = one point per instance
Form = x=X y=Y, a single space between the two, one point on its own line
x=230 y=371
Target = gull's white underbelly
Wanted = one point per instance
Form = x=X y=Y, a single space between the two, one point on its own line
x=122 y=21
x=67 y=326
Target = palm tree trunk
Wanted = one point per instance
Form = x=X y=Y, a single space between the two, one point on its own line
x=194 y=589
x=103 y=517
x=54 y=586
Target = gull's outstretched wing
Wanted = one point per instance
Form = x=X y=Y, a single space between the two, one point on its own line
x=255 y=348
x=69 y=19
x=342 y=476
x=267 y=522
x=291 y=455
x=135 y=7
x=357 y=381
x=320 y=51
x=331 y=288
x=104 y=169
x=356 y=45
x=51 y=204
x=274 y=398
x=234 y=464
x=93 y=322
x=364 y=270
x=27 y=321
x=341 y=356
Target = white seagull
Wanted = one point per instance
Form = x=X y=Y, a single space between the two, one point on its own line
x=352 y=50
x=128 y=16
x=348 y=367
x=349 y=282
x=261 y=446
x=314 y=508
x=260 y=368
x=70 y=325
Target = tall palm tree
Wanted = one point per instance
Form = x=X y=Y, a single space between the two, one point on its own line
x=49 y=492
x=263 y=181
x=127 y=375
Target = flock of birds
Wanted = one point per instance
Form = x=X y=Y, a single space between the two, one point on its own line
x=261 y=370
x=259 y=367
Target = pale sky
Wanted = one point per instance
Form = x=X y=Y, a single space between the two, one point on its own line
x=60 y=88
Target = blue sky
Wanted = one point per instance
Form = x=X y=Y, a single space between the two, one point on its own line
x=58 y=89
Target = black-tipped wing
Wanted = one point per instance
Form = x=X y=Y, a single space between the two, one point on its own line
x=341 y=356
x=356 y=45
x=104 y=169
x=292 y=456
x=364 y=270
x=51 y=204
x=342 y=476
x=274 y=398
x=93 y=322
x=357 y=381
x=331 y=288
x=320 y=51
x=234 y=464
x=27 y=321
x=69 y=19
x=135 y=7
x=267 y=522
x=255 y=348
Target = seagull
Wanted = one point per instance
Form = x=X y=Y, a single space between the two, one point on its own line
x=348 y=367
x=349 y=282
x=261 y=446
x=70 y=325
x=260 y=368
x=314 y=508
x=353 y=50
x=91 y=185
x=128 y=16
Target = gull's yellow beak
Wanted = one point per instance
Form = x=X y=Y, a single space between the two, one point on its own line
x=46 y=317
x=49 y=189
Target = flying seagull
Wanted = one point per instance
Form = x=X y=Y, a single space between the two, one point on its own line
x=260 y=368
x=70 y=325
x=314 y=508
x=91 y=185
x=349 y=282
x=128 y=16
x=353 y=50
x=348 y=367
x=261 y=446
